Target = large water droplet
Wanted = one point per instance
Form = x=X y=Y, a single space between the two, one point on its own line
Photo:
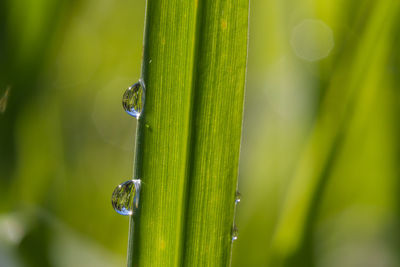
x=235 y=233
x=237 y=197
x=125 y=198
x=133 y=99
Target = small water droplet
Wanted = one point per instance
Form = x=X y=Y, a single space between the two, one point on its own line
x=150 y=61
x=237 y=197
x=235 y=233
x=133 y=99
x=125 y=198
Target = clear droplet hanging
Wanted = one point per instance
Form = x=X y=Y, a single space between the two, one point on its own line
x=237 y=197
x=133 y=99
x=235 y=233
x=125 y=198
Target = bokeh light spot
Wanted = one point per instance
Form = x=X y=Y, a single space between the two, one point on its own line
x=312 y=40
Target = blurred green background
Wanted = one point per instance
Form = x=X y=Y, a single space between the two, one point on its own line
x=319 y=165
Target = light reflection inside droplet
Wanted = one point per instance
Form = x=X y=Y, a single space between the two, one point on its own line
x=125 y=198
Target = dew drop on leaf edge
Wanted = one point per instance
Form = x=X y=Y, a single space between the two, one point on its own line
x=125 y=197
x=133 y=99
x=237 y=197
x=235 y=233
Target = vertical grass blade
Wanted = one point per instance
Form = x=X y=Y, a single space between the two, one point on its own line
x=162 y=146
x=188 y=139
x=217 y=121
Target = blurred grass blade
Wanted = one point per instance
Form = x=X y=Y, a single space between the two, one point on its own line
x=344 y=105
x=189 y=137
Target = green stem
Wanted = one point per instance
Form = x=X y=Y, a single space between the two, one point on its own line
x=135 y=217
x=188 y=141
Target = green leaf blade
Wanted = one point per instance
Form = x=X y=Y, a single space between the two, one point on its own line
x=188 y=139
x=217 y=121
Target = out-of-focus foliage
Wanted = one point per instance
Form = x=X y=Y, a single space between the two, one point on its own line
x=319 y=165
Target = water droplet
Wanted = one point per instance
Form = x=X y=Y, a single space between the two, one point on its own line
x=237 y=197
x=235 y=233
x=125 y=198
x=133 y=99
